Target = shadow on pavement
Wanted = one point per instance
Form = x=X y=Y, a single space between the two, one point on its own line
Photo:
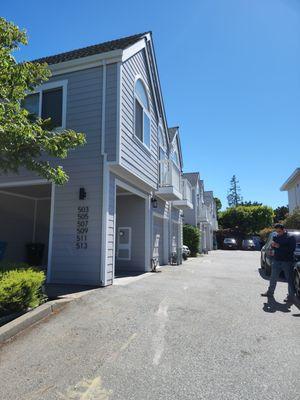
x=56 y=291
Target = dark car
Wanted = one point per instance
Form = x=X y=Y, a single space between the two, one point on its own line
x=267 y=251
x=297 y=278
x=230 y=244
x=248 y=244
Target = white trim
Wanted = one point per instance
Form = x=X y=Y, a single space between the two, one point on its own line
x=103 y=109
x=105 y=205
x=53 y=85
x=124 y=246
x=93 y=61
x=148 y=240
x=25 y=183
x=158 y=82
x=156 y=214
x=148 y=234
x=166 y=244
x=145 y=110
x=50 y=242
x=152 y=84
x=119 y=115
x=124 y=194
x=130 y=188
x=132 y=50
x=289 y=181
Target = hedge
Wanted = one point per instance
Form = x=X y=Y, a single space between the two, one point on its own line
x=20 y=289
x=191 y=238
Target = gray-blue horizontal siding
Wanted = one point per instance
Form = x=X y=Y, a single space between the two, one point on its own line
x=111 y=105
x=84 y=167
x=133 y=156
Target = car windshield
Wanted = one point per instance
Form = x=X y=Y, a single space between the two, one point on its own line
x=248 y=241
x=228 y=240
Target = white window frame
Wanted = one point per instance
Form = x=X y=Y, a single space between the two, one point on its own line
x=147 y=112
x=53 y=85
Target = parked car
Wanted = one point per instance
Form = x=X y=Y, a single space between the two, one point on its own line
x=248 y=244
x=267 y=252
x=230 y=244
x=297 y=278
x=185 y=252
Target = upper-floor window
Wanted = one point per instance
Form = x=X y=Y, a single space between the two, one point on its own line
x=142 y=113
x=48 y=102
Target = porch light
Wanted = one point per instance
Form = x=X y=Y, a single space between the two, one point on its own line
x=154 y=202
x=82 y=193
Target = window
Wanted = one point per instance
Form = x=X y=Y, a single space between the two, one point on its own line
x=52 y=106
x=48 y=102
x=142 y=114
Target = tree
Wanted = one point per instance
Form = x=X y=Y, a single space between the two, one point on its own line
x=280 y=213
x=250 y=203
x=293 y=220
x=234 y=195
x=218 y=204
x=24 y=139
x=191 y=238
x=246 y=219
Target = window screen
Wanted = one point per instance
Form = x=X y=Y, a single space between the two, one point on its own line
x=52 y=106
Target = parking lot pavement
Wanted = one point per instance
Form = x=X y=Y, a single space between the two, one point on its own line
x=197 y=331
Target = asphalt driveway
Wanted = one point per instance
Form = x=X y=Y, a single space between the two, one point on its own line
x=198 y=331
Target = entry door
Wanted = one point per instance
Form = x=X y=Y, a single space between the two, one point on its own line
x=124 y=243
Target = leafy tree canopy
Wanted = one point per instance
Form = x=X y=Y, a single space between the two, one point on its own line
x=280 y=213
x=218 y=203
x=293 y=220
x=23 y=139
x=247 y=219
x=250 y=203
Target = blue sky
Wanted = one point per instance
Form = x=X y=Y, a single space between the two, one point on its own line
x=229 y=69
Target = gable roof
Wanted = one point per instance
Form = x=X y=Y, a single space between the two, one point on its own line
x=290 y=180
x=192 y=177
x=172 y=132
x=118 y=44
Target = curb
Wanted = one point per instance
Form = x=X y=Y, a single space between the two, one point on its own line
x=32 y=317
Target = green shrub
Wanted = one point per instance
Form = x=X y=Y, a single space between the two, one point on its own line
x=20 y=289
x=191 y=238
x=293 y=220
x=10 y=265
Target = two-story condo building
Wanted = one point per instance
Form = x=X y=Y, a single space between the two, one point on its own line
x=292 y=186
x=203 y=214
x=122 y=206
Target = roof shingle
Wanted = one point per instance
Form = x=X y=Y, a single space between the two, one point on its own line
x=121 y=44
x=192 y=177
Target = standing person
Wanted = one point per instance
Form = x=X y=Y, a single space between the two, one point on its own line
x=283 y=260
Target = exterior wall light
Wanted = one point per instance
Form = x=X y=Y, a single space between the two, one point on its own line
x=82 y=193
x=154 y=202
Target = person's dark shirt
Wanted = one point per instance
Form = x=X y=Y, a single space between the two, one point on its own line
x=287 y=246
